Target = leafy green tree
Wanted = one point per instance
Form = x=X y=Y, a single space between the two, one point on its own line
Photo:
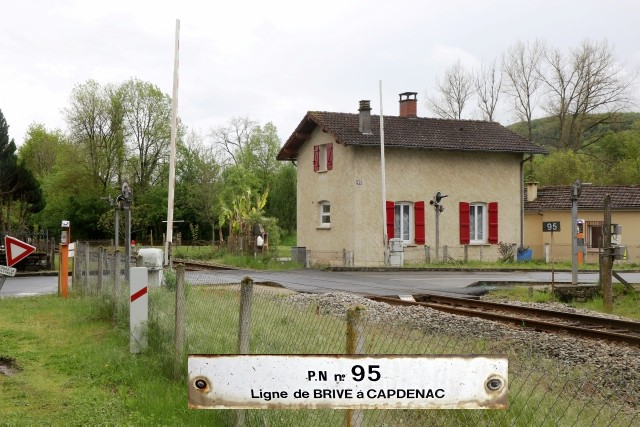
x=147 y=126
x=40 y=149
x=282 y=198
x=562 y=167
x=198 y=177
x=8 y=173
x=95 y=120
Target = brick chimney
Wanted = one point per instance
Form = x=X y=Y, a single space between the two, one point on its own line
x=365 y=117
x=408 y=104
x=532 y=191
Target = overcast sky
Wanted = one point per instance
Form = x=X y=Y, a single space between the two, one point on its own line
x=275 y=60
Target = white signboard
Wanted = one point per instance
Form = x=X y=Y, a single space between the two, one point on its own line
x=347 y=382
x=72 y=250
x=7 y=271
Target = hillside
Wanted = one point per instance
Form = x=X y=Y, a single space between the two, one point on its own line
x=545 y=130
x=609 y=154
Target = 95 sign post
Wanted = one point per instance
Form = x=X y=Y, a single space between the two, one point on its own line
x=550 y=226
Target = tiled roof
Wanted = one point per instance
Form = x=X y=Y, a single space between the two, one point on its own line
x=426 y=133
x=558 y=197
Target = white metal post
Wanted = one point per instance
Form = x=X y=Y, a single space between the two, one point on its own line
x=139 y=309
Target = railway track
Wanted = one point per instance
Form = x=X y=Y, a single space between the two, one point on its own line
x=201 y=265
x=529 y=317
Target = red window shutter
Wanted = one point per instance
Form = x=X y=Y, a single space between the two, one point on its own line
x=316 y=158
x=329 y=157
x=493 y=222
x=391 y=207
x=418 y=214
x=464 y=223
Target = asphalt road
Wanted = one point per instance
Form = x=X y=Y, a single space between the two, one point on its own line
x=391 y=283
x=359 y=282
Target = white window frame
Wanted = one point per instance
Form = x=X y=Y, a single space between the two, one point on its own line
x=324 y=214
x=478 y=229
x=399 y=232
x=322 y=158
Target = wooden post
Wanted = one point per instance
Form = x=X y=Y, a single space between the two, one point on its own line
x=427 y=254
x=355 y=345
x=180 y=325
x=244 y=329
x=607 y=259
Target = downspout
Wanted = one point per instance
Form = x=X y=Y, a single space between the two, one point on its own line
x=522 y=199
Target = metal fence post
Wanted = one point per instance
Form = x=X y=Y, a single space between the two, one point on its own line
x=466 y=253
x=86 y=267
x=427 y=254
x=116 y=272
x=180 y=325
x=355 y=345
x=515 y=252
x=445 y=253
x=100 y=268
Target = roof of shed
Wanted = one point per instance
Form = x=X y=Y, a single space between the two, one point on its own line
x=558 y=197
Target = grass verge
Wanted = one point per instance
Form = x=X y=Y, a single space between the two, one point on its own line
x=625 y=303
x=75 y=369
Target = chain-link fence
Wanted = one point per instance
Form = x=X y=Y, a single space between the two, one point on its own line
x=199 y=312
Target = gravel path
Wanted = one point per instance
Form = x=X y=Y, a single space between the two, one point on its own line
x=618 y=365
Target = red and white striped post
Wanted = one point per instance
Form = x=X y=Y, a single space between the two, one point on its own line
x=138 y=308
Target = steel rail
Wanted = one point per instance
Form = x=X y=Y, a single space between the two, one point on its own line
x=537 y=324
x=593 y=320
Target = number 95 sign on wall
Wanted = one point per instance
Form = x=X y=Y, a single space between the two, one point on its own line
x=551 y=226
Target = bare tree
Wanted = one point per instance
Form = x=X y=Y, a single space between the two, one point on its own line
x=454 y=91
x=521 y=67
x=230 y=140
x=488 y=86
x=585 y=88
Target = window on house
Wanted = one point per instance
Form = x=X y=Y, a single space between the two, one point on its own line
x=322 y=157
x=478 y=223
x=402 y=220
x=325 y=214
x=406 y=220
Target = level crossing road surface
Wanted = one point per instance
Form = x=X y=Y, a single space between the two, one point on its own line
x=389 y=282
x=359 y=282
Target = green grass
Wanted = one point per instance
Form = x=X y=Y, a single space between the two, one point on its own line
x=625 y=303
x=76 y=369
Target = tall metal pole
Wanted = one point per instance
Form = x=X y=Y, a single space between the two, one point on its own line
x=117 y=225
x=437 y=234
x=172 y=153
x=576 y=189
x=383 y=185
x=607 y=257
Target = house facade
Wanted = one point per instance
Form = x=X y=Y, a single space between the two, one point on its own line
x=340 y=207
x=553 y=203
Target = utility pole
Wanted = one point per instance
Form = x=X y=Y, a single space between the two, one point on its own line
x=576 y=190
x=607 y=257
x=127 y=197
